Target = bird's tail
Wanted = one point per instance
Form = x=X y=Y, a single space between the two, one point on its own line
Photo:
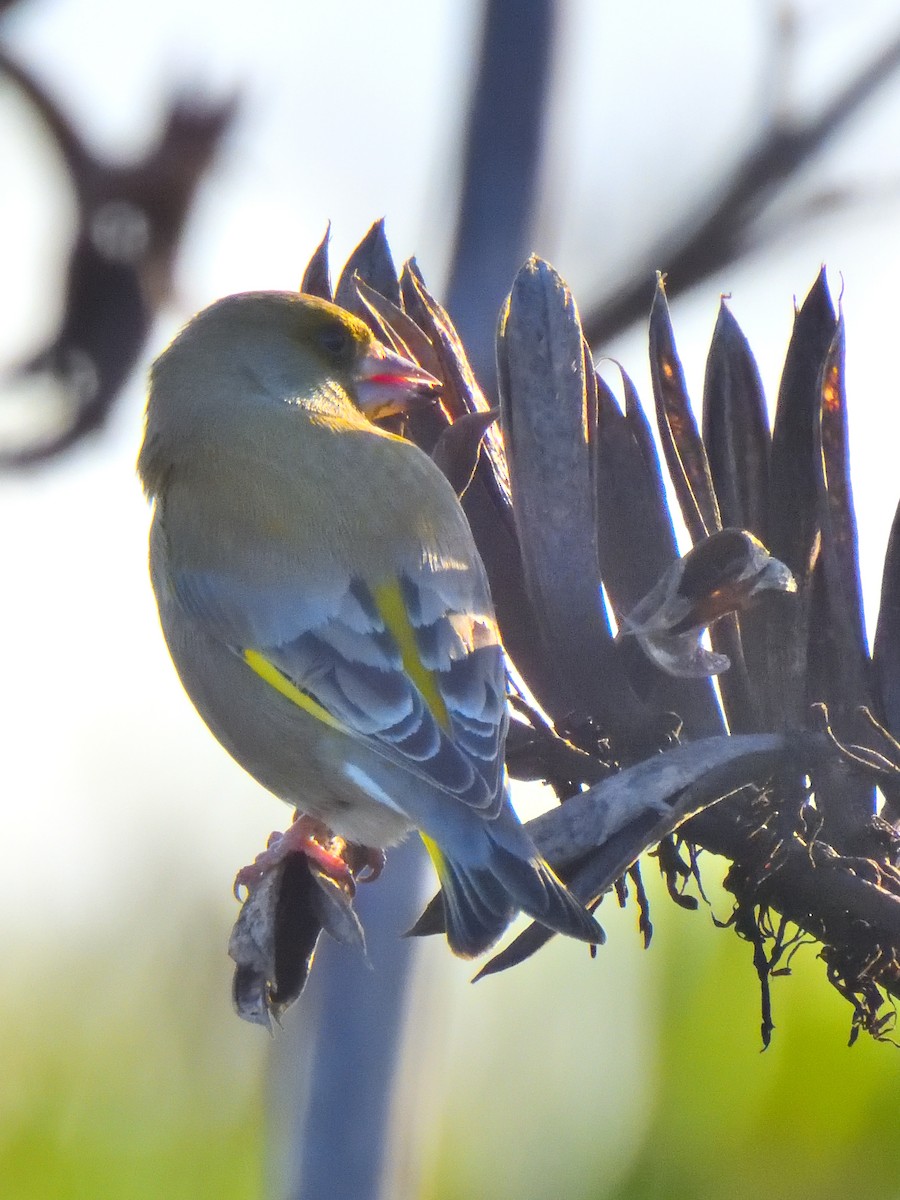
x=479 y=901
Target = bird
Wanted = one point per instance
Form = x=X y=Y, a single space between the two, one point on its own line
x=325 y=605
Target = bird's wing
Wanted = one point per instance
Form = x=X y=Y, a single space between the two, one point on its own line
x=405 y=665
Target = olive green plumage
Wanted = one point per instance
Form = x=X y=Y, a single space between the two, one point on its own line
x=324 y=602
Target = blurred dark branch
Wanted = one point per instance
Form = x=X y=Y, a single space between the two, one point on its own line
x=335 y=1064
x=130 y=221
x=696 y=249
x=68 y=141
x=500 y=169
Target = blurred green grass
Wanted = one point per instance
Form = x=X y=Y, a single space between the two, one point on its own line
x=642 y=1075
x=125 y=1073
x=638 y=1075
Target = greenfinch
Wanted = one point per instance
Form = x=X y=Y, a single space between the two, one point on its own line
x=324 y=602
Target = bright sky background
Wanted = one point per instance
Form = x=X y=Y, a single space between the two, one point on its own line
x=105 y=769
x=110 y=785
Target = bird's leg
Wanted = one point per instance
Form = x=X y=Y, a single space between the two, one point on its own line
x=305 y=835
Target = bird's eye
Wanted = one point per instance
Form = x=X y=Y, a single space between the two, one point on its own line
x=334 y=341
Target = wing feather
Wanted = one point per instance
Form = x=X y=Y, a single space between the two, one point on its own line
x=405 y=665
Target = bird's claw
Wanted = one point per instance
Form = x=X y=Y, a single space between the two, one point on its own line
x=344 y=862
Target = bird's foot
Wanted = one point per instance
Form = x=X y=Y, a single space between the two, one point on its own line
x=305 y=835
x=345 y=862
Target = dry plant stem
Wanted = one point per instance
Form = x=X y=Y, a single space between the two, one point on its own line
x=822 y=892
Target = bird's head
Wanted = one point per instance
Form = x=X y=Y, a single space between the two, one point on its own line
x=256 y=351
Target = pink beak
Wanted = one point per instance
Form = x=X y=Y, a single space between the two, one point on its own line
x=387 y=384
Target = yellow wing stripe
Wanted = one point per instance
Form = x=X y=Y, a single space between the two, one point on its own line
x=389 y=602
x=270 y=673
x=436 y=855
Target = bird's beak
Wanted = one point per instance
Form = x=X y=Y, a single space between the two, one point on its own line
x=387 y=384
